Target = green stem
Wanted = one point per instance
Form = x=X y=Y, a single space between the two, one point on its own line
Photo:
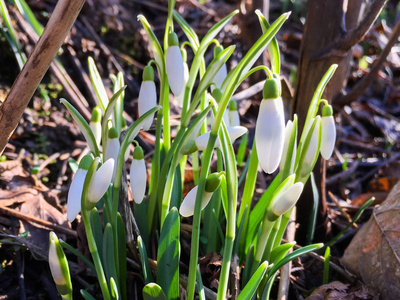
x=95 y=255
x=262 y=242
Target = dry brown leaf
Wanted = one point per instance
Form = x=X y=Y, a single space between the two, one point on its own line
x=374 y=253
x=339 y=291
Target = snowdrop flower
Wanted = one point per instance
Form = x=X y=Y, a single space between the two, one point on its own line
x=59 y=267
x=288 y=199
x=328 y=134
x=181 y=96
x=221 y=73
x=98 y=185
x=270 y=127
x=147 y=95
x=76 y=188
x=233 y=132
x=175 y=67
x=234 y=119
x=212 y=183
x=95 y=124
x=112 y=148
x=138 y=175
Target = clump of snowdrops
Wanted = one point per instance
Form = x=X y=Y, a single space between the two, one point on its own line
x=208 y=126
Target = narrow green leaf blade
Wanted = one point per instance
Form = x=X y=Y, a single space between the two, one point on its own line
x=145 y=263
x=168 y=255
x=97 y=83
x=252 y=285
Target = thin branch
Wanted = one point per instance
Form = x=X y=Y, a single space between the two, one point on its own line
x=355 y=35
x=36 y=66
x=362 y=85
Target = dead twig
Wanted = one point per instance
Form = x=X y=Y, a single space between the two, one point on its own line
x=46 y=49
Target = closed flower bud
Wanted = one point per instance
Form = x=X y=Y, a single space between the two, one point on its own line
x=95 y=124
x=100 y=182
x=328 y=132
x=76 y=188
x=234 y=119
x=175 y=68
x=270 y=128
x=310 y=149
x=288 y=199
x=233 y=132
x=138 y=175
x=113 y=145
x=59 y=267
x=288 y=158
x=221 y=73
x=147 y=95
x=212 y=184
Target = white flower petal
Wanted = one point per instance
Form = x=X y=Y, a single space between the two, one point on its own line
x=54 y=263
x=234 y=119
x=147 y=100
x=96 y=129
x=220 y=76
x=288 y=132
x=233 y=132
x=102 y=179
x=312 y=149
x=180 y=97
x=225 y=117
x=75 y=194
x=138 y=177
x=175 y=69
x=187 y=206
x=288 y=199
x=328 y=136
x=112 y=150
x=270 y=134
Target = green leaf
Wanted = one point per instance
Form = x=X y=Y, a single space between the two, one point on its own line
x=85 y=294
x=291 y=153
x=189 y=32
x=119 y=107
x=121 y=239
x=200 y=287
x=97 y=83
x=273 y=47
x=109 y=253
x=108 y=113
x=95 y=223
x=28 y=15
x=154 y=43
x=83 y=126
x=314 y=211
x=279 y=252
x=114 y=289
x=168 y=255
x=145 y=263
x=251 y=287
x=248 y=265
x=295 y=254
x=153 y=291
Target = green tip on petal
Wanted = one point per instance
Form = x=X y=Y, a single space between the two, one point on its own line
x=112 y=133
x=232 y=105
x=272 y=89
x=217 y=50
x=213 y=182
x=148 y=73
x=217 y=94
x=327 y=111
x=123 y=123
x=173 y=39
x=86 y=162
x=96 y=114
x=138 y=153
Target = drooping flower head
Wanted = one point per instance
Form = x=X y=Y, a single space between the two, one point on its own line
x=270 y=127
x=328 y=134
x=233 y=132
x=175 y=66
x=188 y=204
x=181 y=96
x=147 y=95
x=113 y=145
x=138 y=176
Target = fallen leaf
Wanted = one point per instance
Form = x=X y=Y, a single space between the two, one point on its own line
x=374 y=252
x=336 y=290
